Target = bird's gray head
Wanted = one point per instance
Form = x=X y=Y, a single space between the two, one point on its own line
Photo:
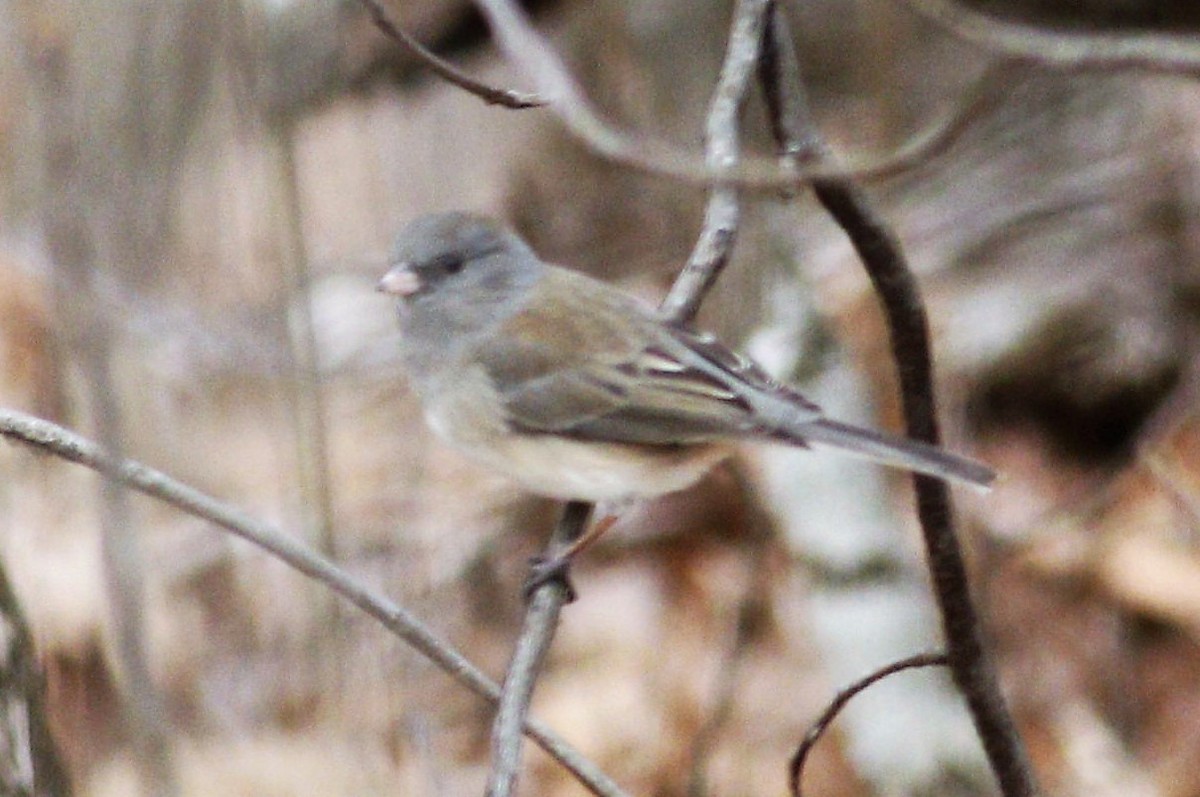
x=456 y=252
x=456 y=276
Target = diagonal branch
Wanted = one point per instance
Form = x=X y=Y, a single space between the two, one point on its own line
x=445 y=70
x=53 y=439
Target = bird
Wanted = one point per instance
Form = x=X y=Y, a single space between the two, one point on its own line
x=579 y=392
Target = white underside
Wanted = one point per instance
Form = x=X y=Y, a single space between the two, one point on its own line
x=571 y=469
x=560 y=467
x=598 y=472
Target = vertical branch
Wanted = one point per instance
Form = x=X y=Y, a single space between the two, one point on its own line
x=30 y=765
x=304 y=385
x=89 y=335
x=904 y=309
x=273 y=114
x=722 y=153
x=105 y=209
x=541 y=620
x=91 y=343
x=708 y=258
x=303 y=388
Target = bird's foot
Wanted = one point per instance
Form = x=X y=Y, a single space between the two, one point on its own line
x=545 y=570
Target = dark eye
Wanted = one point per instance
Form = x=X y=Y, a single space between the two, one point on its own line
x=450 y=263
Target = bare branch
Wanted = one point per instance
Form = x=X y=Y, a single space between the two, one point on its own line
x=525 y=48
x=908 y=326
x=844 y=696
x=53 y=439
x=75 y=240
x=1156 y=52
x=992 y=85
x=722 y=151
x=303 y=366
x=507 y=98
x=707 y=259
x=541 y=621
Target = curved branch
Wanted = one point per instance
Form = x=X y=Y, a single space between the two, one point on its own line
x=526 y=49
x=844 y=696
x=1156 y=52
x=507 y=98
x=53 y=439
x=908 y=327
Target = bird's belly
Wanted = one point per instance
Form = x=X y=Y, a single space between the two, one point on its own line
x=595 y=471
x=465 y=415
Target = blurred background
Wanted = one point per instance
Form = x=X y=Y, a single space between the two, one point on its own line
x=196 y=199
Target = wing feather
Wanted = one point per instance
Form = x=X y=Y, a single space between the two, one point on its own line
x=614 y=373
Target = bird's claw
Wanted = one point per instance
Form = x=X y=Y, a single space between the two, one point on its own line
x=545 y=570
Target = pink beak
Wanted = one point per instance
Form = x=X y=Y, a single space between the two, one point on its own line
x=400 y=281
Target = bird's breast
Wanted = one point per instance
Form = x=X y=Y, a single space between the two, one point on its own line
x=464 y=410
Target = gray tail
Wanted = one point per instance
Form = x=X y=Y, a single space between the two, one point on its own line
x=896 y=452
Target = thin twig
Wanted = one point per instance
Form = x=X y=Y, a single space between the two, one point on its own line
x=722 y=152
x=541 y=621
x=992 y=85
x=1156 y=52
x=844 y=696
x=705 y=264
x=304 y=368
x=563 y=95
x=442 y=68
x=53 y=439
x=904 y=309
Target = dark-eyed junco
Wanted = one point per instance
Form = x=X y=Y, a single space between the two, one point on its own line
x=575 y=390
